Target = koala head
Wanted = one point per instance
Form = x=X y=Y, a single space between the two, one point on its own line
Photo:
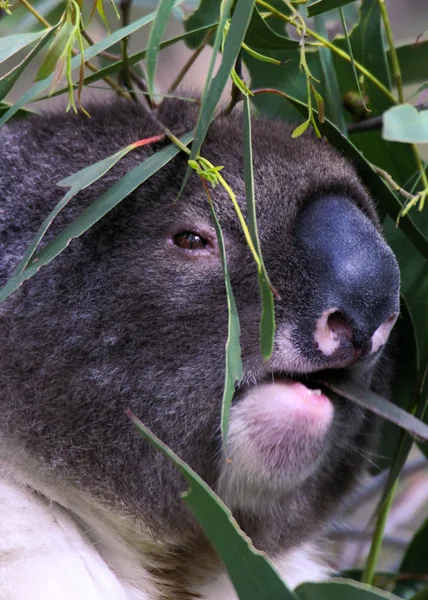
x=134 y=314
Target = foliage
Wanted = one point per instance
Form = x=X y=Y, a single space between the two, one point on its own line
x=350 y=90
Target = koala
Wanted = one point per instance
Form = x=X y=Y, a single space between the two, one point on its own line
x=133 y=314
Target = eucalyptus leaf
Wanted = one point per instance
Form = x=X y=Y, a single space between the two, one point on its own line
x=90 y=52
x=322 y=6
x=250 y=571
x=56 y=51
x=12 y=44
x=77 y=182
x=415 y=558
x=413 y=59
x=341 y=589
x=137 y=56
x=233 y=368
x=267 y=321
x=380 y=406
x=100 y=207
x=9 y=79
x=404 y=123
x=158 y=28
x=262 y=37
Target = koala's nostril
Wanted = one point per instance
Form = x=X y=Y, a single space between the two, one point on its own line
x=339 y=325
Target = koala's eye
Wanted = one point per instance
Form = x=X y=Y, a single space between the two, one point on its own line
x=190 y=241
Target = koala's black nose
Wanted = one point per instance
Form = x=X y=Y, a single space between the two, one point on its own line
x=354 y=279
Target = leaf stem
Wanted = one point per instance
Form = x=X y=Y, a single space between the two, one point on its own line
x=190 y=62
x=90 y=66
x=376 y=544
x=332 y=47
x=34 y=12
x=394 y=58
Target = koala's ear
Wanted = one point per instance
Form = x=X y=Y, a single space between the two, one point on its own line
x=354 y=274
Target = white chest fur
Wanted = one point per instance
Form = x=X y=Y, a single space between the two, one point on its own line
x=45 y=555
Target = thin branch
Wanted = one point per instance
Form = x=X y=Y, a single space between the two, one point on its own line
x=190 y=62
x=34 y=12
x=125 y=8
x=88 y=64
x=394 y=58
x=375 y=122
x=141 y=84
x=325 y=42
x=236 y=94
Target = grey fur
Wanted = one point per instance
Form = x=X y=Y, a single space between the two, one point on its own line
x=122 y=319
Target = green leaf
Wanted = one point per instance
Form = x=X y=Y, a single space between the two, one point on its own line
x=380 y=406
x=77 y=182
x=404 y=123
x=12 y=44
x=214 y=87
x=251 y=573
x=234 y=369
x=90 y=52
x=322 y=6
x=406 y=361
x=413 y=59
x=100 y=207
x=415 y=559
x=134 y=58
x=155 y=38
x=267 y=321
x=208 y=11
x=56 y=51
x=8 y=81
x=261 y=37
x=328 y=82
x=235 y=37
x=341 y=589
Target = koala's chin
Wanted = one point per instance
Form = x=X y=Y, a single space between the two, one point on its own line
x=278 y=436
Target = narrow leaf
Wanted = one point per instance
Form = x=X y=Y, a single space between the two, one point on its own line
x=300 y=130
x=12 y=44
x=155 y=38
x=234 y=369
x=341 y=589
x=100 y=207
x=267 y=321
x=134 y=58
x=77 y=182
x=322 y=6
x=55 y=52
x=214 y=88
x=90 y=52
x=380 y=406
x=415 y=558
x=329 y=85
x=8 y=81
x=250 y=571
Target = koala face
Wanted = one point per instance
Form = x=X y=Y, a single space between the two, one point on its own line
x=134 y=314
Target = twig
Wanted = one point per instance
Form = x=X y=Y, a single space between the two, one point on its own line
x=325 y=42
x=376 y=122
x=394 y=58
x=190 y=62
x=387 y=177
x=125 y=8
x=377 y=539
x=88 y=64
x=236 y=94
x=141 y=84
